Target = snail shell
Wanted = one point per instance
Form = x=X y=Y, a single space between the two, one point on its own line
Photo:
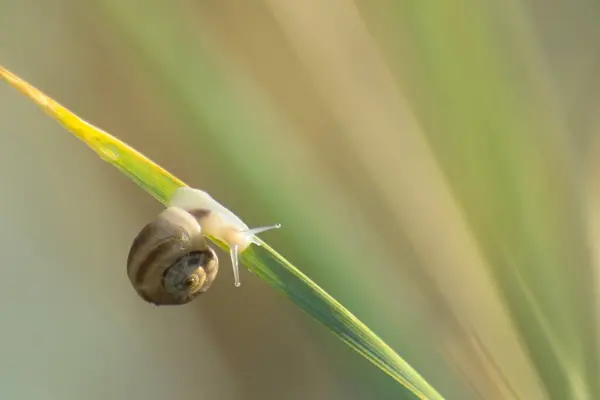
x=169 y=262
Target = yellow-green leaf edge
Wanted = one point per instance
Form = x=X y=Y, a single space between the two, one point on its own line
x=262 y=261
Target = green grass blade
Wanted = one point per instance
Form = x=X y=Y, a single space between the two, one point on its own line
x=263 y=261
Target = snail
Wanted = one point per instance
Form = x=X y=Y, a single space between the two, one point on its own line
x=170 y=262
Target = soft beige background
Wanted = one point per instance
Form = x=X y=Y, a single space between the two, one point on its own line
x=430 y=163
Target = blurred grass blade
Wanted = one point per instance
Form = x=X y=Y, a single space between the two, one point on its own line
x=150 y=176
x=262 y=261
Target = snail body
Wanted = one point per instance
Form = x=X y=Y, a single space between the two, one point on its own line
x=219 y=222
x=170 y=262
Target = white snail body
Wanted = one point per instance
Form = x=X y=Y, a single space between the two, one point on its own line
x=169 y=262
x=219 y=222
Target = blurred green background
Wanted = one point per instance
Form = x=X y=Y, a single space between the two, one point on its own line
x=433 y=165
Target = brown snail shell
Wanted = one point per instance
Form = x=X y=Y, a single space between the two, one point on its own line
x=170 y=262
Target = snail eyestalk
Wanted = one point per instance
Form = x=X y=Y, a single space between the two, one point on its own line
x=251 y=233
x=250 y=236
x=234 y=263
